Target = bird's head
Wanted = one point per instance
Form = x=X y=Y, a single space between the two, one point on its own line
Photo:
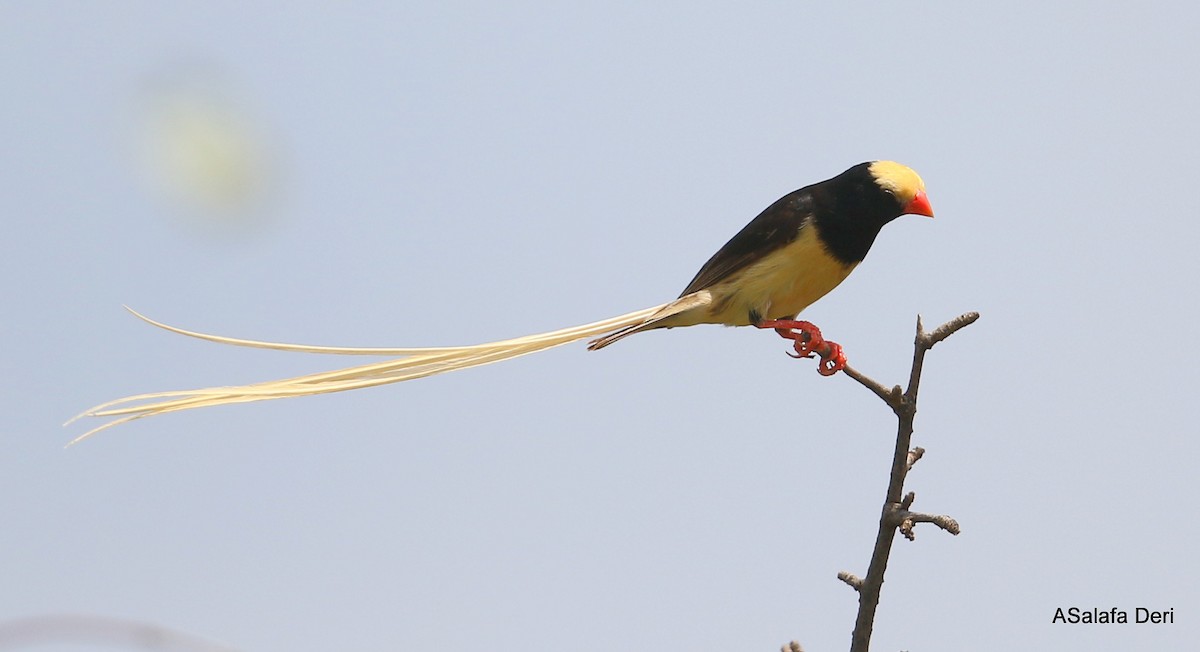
x=904 y=184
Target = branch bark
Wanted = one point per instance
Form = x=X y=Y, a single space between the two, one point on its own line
x=896 y=516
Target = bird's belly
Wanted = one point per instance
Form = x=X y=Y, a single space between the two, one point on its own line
x=781 y=285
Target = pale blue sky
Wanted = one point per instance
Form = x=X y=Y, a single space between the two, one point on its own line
x=471 y=171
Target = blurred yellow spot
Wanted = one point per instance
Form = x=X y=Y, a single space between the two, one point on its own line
x=202 y=149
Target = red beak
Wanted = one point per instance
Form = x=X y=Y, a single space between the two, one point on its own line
x=919 y=205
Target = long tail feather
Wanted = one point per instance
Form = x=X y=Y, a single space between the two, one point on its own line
x=680 y=305
x=414 y=363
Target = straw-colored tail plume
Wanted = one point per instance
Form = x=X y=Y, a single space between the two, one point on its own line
x=412 y=363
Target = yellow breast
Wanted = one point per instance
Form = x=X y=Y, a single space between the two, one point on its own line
x=780 y=285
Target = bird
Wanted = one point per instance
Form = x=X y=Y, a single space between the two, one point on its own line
x=793 y=253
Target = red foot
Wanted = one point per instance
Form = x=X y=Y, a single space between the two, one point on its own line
x=833 y=359
x=809 y=342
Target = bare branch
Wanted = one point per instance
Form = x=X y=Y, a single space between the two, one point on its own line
x=949 y=328
x=909 y=519
x=941 y=520
x=895 y=516
x=891 y=396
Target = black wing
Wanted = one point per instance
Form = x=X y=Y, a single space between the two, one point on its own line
x=774 y=228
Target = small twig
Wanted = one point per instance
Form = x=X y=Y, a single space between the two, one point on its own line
x=909 y=519
x=914 y=455
x=949 y=328
x=891 y=396
x=850 y=578
x=900 y=517
x=941 y=520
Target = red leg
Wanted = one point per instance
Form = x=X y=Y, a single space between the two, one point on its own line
x=809 y=342
x=806 y=335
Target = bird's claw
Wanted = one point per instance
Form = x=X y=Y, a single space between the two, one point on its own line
x=833 y=359
x=808 y=342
